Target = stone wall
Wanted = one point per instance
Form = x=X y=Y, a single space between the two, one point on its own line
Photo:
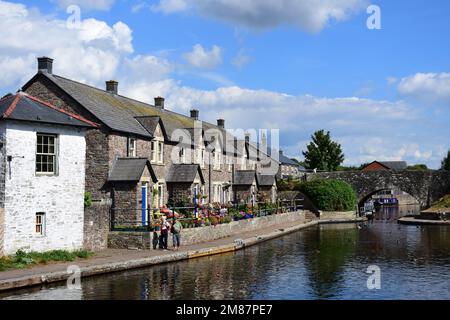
x=425 y=186
x=97 y=161
x=143 y=240
x=96 y=226
x=180 y=192
x=2 y=230
x=60 y=196
x=335 y=215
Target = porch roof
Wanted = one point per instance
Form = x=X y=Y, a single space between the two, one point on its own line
x=244 y=177
x=266 y=180
x=130 y=170
x=184 y=173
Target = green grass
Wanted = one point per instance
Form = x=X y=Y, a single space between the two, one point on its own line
x=443 y=203
x=24 y=259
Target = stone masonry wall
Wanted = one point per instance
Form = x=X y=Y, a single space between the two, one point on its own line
x=426 y=186
x=2 y=184
x=60 y=196
x=143 y=240
x=180 y=192
x=2 y=230
x=97 y=163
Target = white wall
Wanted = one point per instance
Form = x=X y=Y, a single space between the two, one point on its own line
x=61 y=197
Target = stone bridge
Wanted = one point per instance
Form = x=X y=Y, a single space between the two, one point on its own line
x=425 y=186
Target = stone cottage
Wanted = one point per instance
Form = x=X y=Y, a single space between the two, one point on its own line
x=42 y=175
x=130 y=129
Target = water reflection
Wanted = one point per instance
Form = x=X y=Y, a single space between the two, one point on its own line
x=323 y=262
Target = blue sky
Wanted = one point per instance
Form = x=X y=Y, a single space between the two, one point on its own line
x=295 y=65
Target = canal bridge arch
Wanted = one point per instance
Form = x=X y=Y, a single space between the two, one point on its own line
x=425 y=186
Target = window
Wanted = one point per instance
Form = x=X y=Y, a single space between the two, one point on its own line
x=160 y=152
x=40 y=223
x=201 y=157
x=182 y=155
x=131 y=147
x=217 y=159
x=153 y=151
x=46 y=154
x=230 y=163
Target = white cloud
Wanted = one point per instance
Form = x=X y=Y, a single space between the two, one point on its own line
x=363 y=126
x=204 y=59
x=91 y=53
x=103 y=5
x=426 y=86
x=309 y=15
x=170 y=6
x=368 y=129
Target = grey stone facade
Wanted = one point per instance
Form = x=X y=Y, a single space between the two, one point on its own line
x=105 y=146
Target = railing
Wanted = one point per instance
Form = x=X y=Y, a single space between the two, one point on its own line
x=197 y=216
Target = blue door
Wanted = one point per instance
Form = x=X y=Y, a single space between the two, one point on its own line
x=144 y=205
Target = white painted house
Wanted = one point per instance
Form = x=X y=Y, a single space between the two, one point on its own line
x=42 y=176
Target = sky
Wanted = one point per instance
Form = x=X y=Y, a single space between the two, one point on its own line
x=293 y=65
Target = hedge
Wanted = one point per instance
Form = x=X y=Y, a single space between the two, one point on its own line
x=330 y=195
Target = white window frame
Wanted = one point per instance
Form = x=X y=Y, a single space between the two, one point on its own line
x=131 y=147
x=47 y=154
x=40 y=223
x=217 y=159
x=160 y=152
x=153 y=147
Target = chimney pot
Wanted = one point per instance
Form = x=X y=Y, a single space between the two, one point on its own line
x=112 y=86
x=247 y=137
x=45 y=64
x=195 y=114
x=221 y=123
x=159 y=102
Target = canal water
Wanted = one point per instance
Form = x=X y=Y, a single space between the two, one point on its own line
x=323 y=262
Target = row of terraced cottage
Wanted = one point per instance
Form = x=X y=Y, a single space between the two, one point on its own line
x=61 y=140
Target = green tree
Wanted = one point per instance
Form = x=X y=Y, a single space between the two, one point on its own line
x=446 y=162
x=418 y=167
x=323 y=153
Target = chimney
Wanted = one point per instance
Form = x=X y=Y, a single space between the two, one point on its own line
x=112 y=86
x=195 y=114
x=221 y=123
x=264 y=140
x=159 y=102
x=247 y=137
x=45 y=65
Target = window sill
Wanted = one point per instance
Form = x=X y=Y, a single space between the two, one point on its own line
x=46 y=174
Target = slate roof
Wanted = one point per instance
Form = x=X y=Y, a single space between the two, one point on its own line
x=130 y=170
x=118 y=112
x=184 y=173
x=244 y=177
x=282 y=159
x=391 y=165
x=395 y=165
x=266 y=180
x=23 y=107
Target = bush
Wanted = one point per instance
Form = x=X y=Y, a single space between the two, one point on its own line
x=330 y=195
x=87 y=199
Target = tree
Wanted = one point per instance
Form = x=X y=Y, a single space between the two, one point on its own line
x=418 y=167
x=445 y=165
x=323 y=153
